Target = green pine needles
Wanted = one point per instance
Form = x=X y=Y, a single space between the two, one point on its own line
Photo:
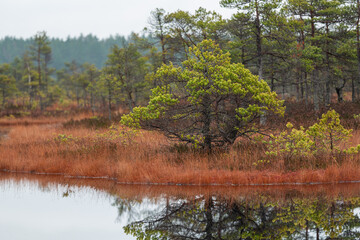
x=208 y=101
x=326 y=137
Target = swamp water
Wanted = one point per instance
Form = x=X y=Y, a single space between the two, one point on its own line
x=45 y=207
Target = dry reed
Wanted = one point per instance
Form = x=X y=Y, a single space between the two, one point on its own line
x=24 y=121
x=150 y=158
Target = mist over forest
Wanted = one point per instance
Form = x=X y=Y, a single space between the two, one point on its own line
x=81 y=49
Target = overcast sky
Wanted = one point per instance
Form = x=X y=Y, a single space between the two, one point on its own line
x=61 y=18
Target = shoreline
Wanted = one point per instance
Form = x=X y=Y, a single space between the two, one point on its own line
x=115 y=180
x=152 y=191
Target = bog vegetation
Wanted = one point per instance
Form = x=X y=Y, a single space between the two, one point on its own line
x=195 y=99
x=209 y=101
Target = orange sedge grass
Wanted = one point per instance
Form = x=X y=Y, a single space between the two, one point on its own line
x=149 y=157
x=41 y=120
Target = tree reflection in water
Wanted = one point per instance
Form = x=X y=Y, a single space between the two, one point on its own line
x=214 y=217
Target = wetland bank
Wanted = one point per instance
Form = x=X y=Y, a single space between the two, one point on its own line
x=82 y=145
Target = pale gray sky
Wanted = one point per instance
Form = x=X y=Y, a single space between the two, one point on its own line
x=61 y=18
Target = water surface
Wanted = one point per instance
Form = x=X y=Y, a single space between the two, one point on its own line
x=44 y=207
x=29 y=210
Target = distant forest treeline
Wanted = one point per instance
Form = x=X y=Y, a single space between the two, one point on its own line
x=79 y=49
x=306 y=51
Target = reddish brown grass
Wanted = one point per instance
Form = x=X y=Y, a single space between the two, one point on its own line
x=151 y=158
x=41 y=120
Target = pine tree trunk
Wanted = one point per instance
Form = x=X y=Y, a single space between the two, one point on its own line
x=306 y=90
x=328 y=92
x=316 y=91
x=353 y=93
x=207 y=121
x=130 y=101
x=109 y=106
x=358 y=49
x=3 y=97
x=39 y=73
x=259 y=53
x=327 y=75
x=29 y=81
